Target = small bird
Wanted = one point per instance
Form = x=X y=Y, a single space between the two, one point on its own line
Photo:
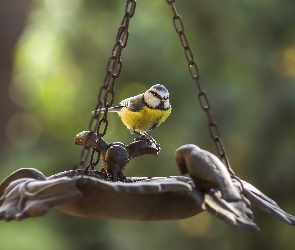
x=144 y=112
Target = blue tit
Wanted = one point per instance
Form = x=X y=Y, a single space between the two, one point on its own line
x=144 y=112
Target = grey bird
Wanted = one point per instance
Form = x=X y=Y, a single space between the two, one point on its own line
x=222 y=191
x=206 y=170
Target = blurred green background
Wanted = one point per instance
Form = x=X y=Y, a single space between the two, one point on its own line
x=53 y=57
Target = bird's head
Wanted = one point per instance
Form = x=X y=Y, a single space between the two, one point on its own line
x=157 y=97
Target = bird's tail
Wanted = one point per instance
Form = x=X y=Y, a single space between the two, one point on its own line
x=111 y=109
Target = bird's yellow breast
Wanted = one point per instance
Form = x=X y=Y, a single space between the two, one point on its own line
x=143 y=120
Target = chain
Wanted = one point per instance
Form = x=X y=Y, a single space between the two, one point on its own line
x=99 y=122
x=202 y=96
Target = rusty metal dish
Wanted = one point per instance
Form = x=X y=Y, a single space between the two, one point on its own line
x=94 y=194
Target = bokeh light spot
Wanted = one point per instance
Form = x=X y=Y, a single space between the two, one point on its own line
x=24 y=93
x=283 y=61
x=289 y=61
x=39 y=49
x=23 y=130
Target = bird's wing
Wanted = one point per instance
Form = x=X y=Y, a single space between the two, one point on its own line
x=266 y=204
x=218 y=172
x=235 y=213
x=134 y=103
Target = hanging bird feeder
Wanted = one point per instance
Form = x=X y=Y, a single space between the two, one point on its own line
x=107 y=193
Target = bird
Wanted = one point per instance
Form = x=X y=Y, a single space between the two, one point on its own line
x=206 y=170
x=226 y=197
x=144 y=112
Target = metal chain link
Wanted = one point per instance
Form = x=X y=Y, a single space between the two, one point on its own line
x=97 y=123
x=202 y=96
